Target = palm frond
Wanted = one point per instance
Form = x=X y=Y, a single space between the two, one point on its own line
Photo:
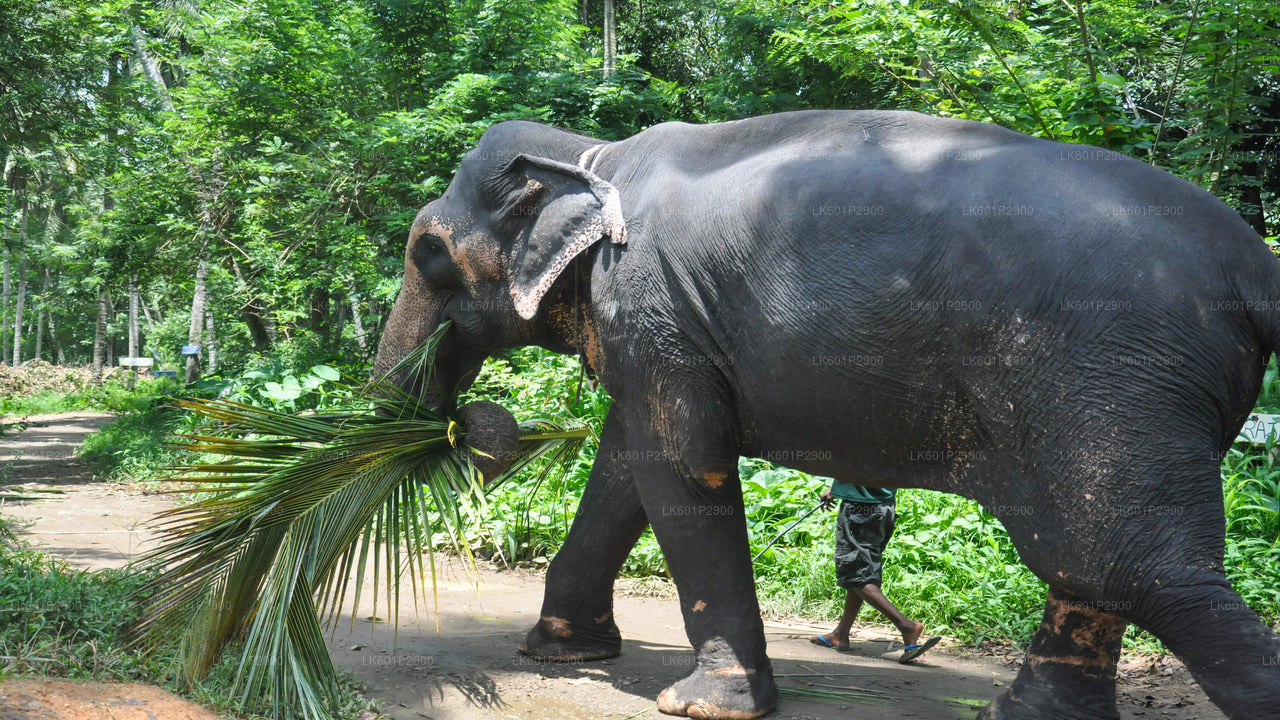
x=297 y=508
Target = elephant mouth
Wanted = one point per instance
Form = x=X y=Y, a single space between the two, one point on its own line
x=451 y=372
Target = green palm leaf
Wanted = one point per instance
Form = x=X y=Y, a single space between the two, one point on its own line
x=296 y=508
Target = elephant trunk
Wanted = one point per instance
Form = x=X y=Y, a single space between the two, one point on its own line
x=414 y=317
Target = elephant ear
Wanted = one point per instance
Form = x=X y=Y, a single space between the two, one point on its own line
x=563 y=210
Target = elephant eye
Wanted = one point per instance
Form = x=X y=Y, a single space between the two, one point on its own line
x=429 y=246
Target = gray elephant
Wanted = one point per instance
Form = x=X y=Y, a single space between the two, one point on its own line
x=1068 y=336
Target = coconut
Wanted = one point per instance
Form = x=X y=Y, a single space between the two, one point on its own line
x=493 y=433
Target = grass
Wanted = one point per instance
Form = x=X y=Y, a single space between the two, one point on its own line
x=42 y=403
x=135 y=447
x=56 y=620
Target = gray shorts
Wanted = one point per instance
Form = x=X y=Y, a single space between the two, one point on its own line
x=862 y=532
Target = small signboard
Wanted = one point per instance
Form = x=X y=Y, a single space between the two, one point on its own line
x=171 y=374
x=1258 y=428
x=190 y=349
x=136 y=362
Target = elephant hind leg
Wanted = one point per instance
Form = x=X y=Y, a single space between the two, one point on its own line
x=1070 y=669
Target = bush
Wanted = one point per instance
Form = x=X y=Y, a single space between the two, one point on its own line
x=136 y=446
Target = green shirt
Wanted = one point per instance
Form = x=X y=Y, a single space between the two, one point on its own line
x=860 y=494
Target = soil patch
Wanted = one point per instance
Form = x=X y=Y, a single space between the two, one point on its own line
x=47 y=699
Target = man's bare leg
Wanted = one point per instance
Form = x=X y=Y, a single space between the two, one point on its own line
x=840 y=636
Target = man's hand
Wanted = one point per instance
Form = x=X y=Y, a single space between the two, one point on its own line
x=827 y=501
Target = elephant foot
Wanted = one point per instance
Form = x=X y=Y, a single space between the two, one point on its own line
x=1043 y=702
x=722 y=693
x=559 y=640
x=1070 y=669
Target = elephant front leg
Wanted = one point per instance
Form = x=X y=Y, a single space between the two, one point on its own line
x=693 y=500
x=576 y=622
x=1070 y=669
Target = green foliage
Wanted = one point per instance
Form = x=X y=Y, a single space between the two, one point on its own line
x=74 y=618
x=135 y=446
x=1162 y=81
x=1269 y=395
x=1251 y=496
x=56 y=620
x=314 y=388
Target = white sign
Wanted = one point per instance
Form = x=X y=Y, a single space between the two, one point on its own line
x=1260 y=427
x=136 y=362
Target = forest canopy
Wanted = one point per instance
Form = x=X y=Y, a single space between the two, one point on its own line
x=241 y=176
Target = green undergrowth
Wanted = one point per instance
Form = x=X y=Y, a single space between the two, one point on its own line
x=113 y=396
x=950 y=563
x=1269 y=396
x=58 y=621
x=135 y=446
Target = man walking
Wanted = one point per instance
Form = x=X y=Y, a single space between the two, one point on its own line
x=864 y=525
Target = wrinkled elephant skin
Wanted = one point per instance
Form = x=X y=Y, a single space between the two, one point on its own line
x=1068 y=336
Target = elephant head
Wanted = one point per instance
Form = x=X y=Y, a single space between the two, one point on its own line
x=488 y=253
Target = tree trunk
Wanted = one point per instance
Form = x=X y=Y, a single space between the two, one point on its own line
x=4 y=297
x=133 y=316
x=109 y=360
x=151 y=68
x=255 y=320
x=252 y=312
x=59 y=356
x=355 y=319
x=55 y=347
x=197 y=320
x=211 y=340
x=100 y=339
x=41 y=313
x=319 y=317
x=610 y=39
x=22 y=288
x=7 y=289
x=1253 y=211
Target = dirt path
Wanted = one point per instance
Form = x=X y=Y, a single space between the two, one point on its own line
x=92 y=524
x=469 y=670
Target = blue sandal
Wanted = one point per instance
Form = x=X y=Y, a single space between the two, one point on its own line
x=819 y=640
x=911 y=652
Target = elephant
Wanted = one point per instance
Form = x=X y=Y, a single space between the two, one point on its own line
x=1070 y=337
